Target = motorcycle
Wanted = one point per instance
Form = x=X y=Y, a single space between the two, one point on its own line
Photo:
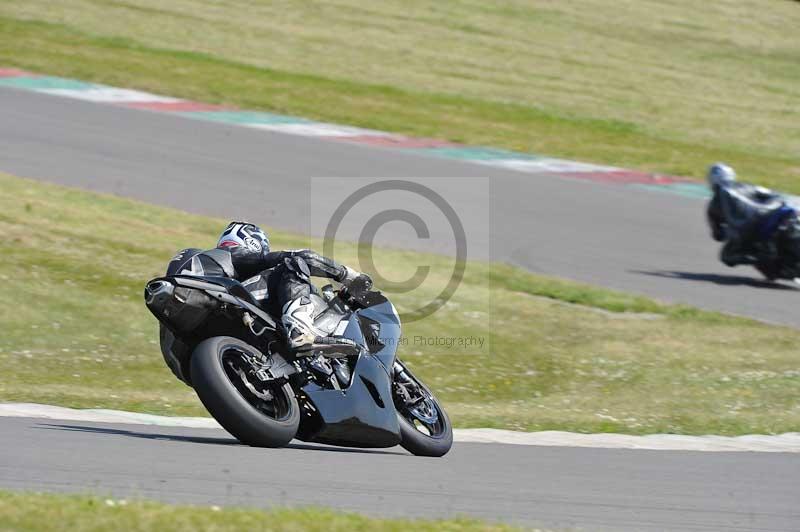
x=348 y=389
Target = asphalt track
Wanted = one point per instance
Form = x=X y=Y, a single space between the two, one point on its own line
x=617 y=236
x=563 y=488
x=622 y=237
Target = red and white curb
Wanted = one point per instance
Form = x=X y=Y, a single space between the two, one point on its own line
x=782 y=443
x=102 y=94
x=499 y=158
x=510 y=160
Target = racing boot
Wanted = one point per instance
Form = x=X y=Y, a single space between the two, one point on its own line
x=298 y=323
x=304 y=337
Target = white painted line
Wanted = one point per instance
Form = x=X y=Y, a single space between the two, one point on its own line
x=102 y=416
x=312 y=129
x=786 y=443
x=103 y=94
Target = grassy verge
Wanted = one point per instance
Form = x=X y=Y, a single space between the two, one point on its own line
x=559 y=355
x=666 y=87
x=55 y=513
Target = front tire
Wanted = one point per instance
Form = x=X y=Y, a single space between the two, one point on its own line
x=425 y=428
x=251 y=419
x=770 y=271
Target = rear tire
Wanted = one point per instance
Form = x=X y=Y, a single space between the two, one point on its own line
x=228 y=405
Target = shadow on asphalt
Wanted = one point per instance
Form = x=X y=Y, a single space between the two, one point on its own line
x=201 y=439
x=724 y=280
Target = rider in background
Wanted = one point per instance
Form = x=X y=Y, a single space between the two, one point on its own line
x=741 y=215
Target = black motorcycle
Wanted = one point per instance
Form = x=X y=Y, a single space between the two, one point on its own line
x=349 y=389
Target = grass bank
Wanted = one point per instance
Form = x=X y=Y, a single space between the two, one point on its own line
x=667 y=86
x=559 y=355
x=21 y=512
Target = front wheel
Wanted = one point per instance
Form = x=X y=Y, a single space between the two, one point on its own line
x=770 y=270
x=425 y=429
x=256 y=413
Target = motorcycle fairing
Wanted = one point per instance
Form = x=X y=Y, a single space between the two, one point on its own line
x=385 y=341
x=176 y=353
x=362 y=415
x=773 y=221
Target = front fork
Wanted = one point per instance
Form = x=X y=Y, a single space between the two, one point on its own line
x=405 y=387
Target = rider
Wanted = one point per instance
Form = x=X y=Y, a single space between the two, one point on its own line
x=735 y=213
x=278 y=280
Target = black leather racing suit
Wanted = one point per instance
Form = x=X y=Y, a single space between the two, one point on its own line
x=274 y=278
x=734 y=213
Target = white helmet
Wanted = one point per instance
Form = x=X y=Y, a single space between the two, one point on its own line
x=720 y=174
x=246 y=235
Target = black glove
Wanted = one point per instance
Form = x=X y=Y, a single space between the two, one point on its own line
x=361 y=284
x=356 y=282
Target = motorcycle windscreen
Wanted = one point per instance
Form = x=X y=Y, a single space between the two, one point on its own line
x=379 y=327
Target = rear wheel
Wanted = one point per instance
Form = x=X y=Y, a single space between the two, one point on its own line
x=256 y=413
x=425 y=428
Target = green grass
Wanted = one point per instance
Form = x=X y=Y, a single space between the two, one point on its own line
x=668 y=86
x=67 y=513
x=558 y=355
